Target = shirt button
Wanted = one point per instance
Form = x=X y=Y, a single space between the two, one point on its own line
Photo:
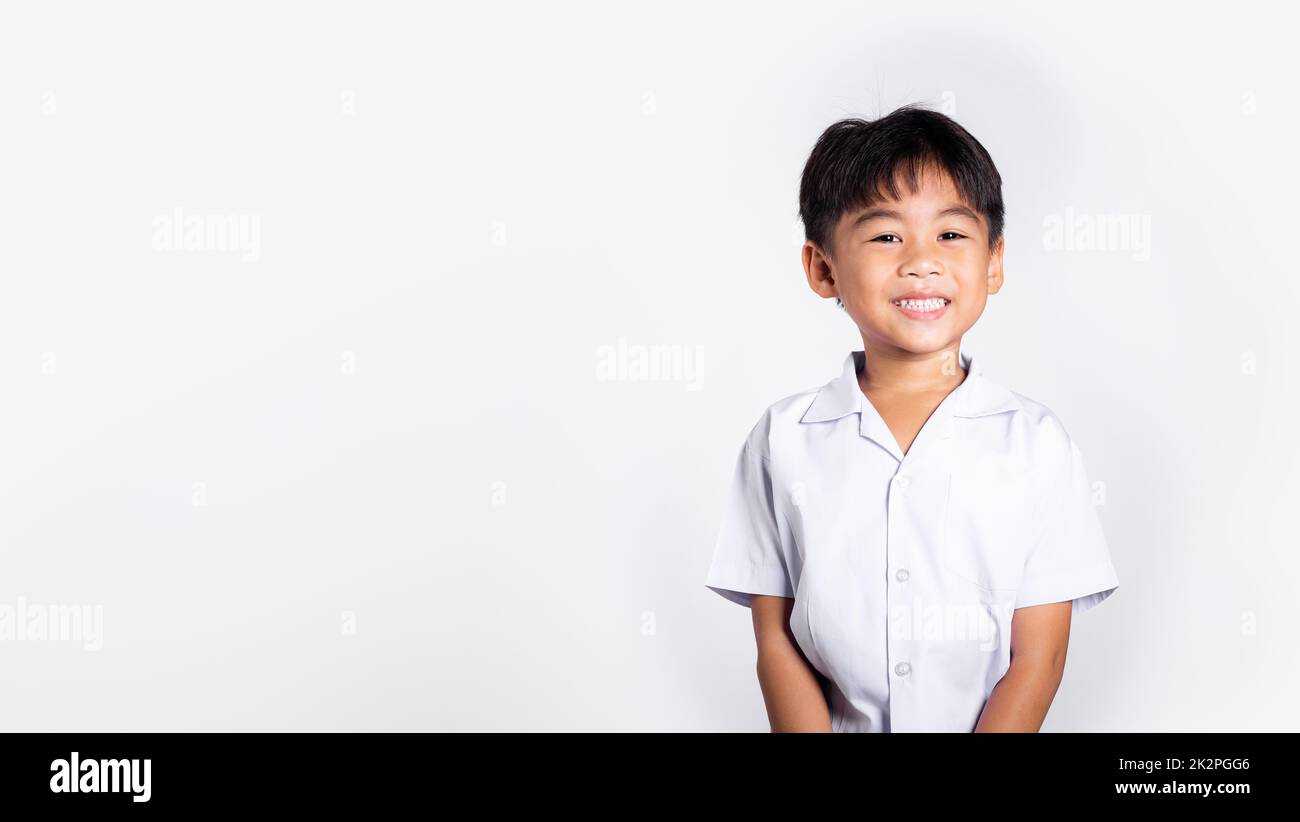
x=902 y=669
x=902 y=575
x=902 y=480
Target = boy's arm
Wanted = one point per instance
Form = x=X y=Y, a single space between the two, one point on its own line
x=1039 y=637
x=791 y=690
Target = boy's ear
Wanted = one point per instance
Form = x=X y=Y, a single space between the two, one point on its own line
x=995 y=265
x=817 y=266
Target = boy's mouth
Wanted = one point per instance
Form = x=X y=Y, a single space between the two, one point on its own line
x=922 y=308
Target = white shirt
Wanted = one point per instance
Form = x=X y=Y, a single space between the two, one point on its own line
x=905 y=569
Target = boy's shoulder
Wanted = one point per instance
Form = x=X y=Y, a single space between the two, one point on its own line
x=1043 y=437
x=1039 y=416
x=779 y=420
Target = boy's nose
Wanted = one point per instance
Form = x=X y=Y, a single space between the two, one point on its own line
x=923 y=262
x=922 y=268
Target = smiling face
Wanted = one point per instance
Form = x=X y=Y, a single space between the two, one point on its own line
x=913 y=273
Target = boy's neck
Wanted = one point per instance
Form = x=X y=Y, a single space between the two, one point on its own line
x=904 y=372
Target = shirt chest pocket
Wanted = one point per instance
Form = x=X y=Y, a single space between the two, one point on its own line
x=987 y=527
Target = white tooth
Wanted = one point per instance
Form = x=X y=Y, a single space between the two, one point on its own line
x=929 y=304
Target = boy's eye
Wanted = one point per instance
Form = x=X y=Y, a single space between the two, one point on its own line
x=950 y=234
x=882 y=238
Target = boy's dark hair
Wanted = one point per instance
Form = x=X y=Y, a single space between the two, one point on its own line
x=857 y=162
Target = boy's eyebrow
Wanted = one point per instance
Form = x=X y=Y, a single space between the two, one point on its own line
x=959 y=211
x=876 y=213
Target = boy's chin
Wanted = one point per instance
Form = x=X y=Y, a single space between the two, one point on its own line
x=916 y=343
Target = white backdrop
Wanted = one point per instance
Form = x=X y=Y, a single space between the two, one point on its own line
x=320 y=327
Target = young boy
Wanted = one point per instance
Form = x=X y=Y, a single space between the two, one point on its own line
x=912 y=538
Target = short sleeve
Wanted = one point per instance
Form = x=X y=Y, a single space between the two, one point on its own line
x=1069 y=559
x=748 y=557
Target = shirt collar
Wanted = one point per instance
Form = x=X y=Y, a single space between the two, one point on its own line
x=979 y=396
